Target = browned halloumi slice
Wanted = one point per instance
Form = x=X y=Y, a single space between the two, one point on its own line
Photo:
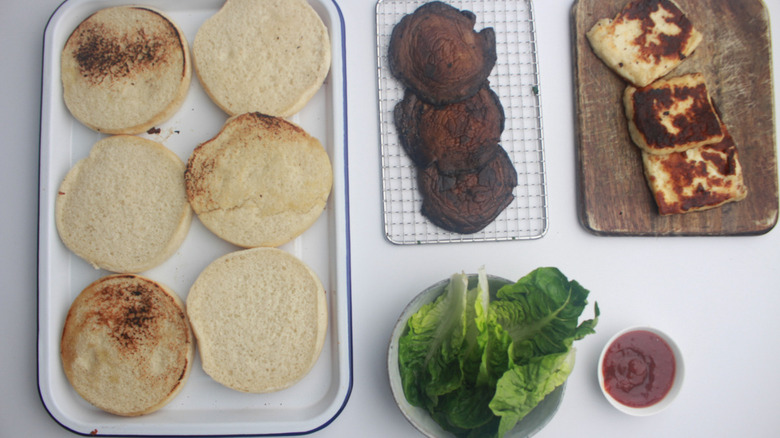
x=645 y=41
x=672 y=115
x=697 y=179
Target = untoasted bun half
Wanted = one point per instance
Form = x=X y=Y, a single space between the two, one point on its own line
x=126 y=346
x=261 y=181
x=260 y=318
x=125 y=69
x=269 y=56
x=124 y=207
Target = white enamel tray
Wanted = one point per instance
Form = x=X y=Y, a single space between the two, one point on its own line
x=204 y=407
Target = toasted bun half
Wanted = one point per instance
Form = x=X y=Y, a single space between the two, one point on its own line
x=126 y=346
x=260 y=318
x=125 y=69
x=269 y=56
x=261 y=181
x=124 y=207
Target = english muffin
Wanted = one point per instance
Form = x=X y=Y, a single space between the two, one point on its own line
x=645 y=41
x=268 y=56
x=125 y=69
x=124 y=207
x=260 y=318
x=126 y=345
x=261 y=181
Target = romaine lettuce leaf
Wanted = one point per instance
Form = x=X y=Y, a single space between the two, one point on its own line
x=495 y=356
x=478 y=301
x=429 y=353
x=466 y=408
x=521 y=388
x=540 y=313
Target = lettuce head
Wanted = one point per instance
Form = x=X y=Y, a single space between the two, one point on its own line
x=479 y=361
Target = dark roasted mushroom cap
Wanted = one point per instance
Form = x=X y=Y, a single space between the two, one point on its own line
x=437 y=54
x=467 y=202
x=458 y=137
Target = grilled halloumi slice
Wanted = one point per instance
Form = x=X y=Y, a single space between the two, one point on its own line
x=645 y=41
x=672 y=115
x=697 y=179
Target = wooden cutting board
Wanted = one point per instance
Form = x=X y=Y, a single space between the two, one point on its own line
x=735 y=57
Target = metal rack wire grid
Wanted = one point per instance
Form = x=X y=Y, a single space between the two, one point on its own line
x=515 y=78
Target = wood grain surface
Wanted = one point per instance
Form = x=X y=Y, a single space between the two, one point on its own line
x=735 y=57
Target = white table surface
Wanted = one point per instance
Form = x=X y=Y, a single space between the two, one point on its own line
x=718 y=297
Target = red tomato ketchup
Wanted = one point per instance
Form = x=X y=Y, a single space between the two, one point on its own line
x=638 y=368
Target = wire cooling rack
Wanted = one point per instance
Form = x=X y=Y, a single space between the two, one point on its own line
x=515 y=78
